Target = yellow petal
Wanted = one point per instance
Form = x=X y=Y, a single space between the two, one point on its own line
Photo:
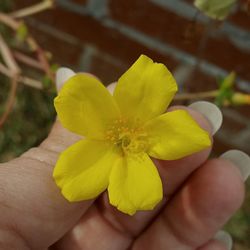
x=82 y=170
x=175 y=135
x=85 y=106
x=134 y=184
x=145 y=90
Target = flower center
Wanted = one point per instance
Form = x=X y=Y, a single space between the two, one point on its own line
x=127 y=137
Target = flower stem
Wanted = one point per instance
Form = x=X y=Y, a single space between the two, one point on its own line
x=199 y=95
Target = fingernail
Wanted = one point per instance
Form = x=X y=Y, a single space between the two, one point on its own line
x=225 y=238
x=240 y=159
x=211 y=112
x=62 y=75
x=111 y=87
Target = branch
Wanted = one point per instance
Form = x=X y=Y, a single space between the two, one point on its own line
x=10 y=101
x=31 y=10
x=27 y=60
x=8 y=57
x=12 y=23
x=30 y=82
x=7 y=20
x=22 y=79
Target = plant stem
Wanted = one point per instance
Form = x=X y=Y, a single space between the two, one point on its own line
x=27 y=60
x=30 y=82
x=199 y=95
x=7 y=20
x=31 y=10
x=8 y=57
x=22 y=79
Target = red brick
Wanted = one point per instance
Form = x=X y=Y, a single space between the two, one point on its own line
x=230 y=124
x=241 y=18
x=64 y=53
x=220 y=147
x=106 y=71
x=199 y=82
x=244 y=110
x=167 y=26
x=79 y=1
x=89 y=30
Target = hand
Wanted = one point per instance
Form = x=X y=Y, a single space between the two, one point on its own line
x=200 y=196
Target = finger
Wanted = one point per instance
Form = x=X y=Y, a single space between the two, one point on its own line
x=125 y=227
x=39 y=214
x=222 y=240
x=201 y=207
x=172 y=173
x=214 y=245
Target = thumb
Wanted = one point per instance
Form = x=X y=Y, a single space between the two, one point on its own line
x=33 y=210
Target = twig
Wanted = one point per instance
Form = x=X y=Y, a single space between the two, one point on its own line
x=10 y=101
x=7 y=20
x=44 y=61
x=4 y=70
x=199 y=95
x=8 y=57
x=22 y=79
x=12 y=23
x=30 y=82
x=31 y=10
x=27 y=60
x=40 y=55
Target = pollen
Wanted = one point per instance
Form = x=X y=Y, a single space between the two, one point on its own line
x=127 y=137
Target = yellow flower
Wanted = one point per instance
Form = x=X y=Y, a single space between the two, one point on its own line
x=121 y=133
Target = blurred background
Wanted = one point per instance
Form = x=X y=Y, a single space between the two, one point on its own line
x=105 y=37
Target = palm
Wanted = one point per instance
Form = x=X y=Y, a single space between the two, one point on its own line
x=37 y=216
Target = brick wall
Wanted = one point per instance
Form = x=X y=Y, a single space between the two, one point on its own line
x=105 y=36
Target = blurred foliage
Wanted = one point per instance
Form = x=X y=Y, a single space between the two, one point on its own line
x=33 y=112
x=225 y=89
x=216 y=9
x=5 y=5
x=29 y=122
x=239 y=225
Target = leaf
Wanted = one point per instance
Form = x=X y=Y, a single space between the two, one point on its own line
x=54 y=67
x=226 y=89
x=22 y=32
x=46 y=81
x=228 y=81
x=216 y=9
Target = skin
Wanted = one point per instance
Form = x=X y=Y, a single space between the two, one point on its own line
x=200 y=196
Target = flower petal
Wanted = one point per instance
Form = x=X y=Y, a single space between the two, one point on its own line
x=85 y=106
x=82 y=171
x=145 y=90
x=134 y=184
x=175 y=135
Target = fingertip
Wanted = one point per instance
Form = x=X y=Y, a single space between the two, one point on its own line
x=211 y=112
x=240 y=159
x=224 y=238
x=62 y=75
x=218 y=190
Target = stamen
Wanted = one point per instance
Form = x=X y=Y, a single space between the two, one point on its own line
x=126 y=137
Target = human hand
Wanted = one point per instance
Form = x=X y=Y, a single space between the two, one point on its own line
x=200 y=196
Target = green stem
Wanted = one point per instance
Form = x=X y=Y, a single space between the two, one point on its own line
x=199 y=95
